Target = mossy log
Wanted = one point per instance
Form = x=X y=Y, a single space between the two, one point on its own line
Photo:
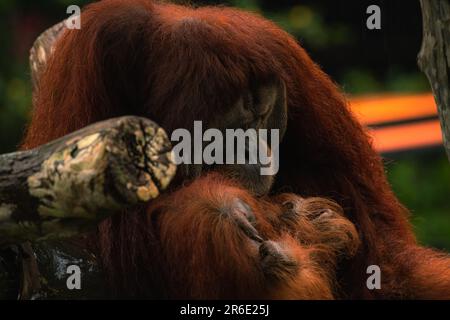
x=67 y=186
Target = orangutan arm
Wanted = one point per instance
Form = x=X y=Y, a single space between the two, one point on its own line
x=215 y=240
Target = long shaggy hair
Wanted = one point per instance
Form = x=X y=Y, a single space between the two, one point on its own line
x=176 y=64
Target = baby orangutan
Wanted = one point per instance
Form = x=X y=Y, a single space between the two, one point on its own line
x=208 y=237
x=213 y=240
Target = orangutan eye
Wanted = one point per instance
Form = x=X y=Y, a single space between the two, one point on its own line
x=247 y=111
x=266 y=98
x=248 y=101
x=260 y=101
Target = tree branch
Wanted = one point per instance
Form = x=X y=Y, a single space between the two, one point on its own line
x=64 y=187
x=434 y=58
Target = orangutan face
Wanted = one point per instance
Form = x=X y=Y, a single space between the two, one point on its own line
x=242 y=142
x=263 y=109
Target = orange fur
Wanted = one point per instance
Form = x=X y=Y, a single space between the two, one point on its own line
x=176 y=64
x=186 y=235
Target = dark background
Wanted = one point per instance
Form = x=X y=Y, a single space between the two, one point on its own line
x=334 y=32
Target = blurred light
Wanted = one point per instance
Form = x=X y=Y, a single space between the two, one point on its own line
x=399 y=122
x=407 y=137
x=389 y=108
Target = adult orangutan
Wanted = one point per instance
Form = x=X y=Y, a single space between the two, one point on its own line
x=225 y=231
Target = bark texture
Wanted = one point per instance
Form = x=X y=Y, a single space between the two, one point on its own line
x=434 y=58
x=62 y=188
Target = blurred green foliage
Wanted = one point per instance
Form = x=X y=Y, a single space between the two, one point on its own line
x=332 y=31
x=422 y=183
x=21 y=21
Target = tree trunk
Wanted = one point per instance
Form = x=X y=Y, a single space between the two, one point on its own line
x=434 y=58
x=64 y=187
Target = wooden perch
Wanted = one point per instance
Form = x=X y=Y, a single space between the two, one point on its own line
x=434 y=58
x=42 y=50
x=64 y=187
